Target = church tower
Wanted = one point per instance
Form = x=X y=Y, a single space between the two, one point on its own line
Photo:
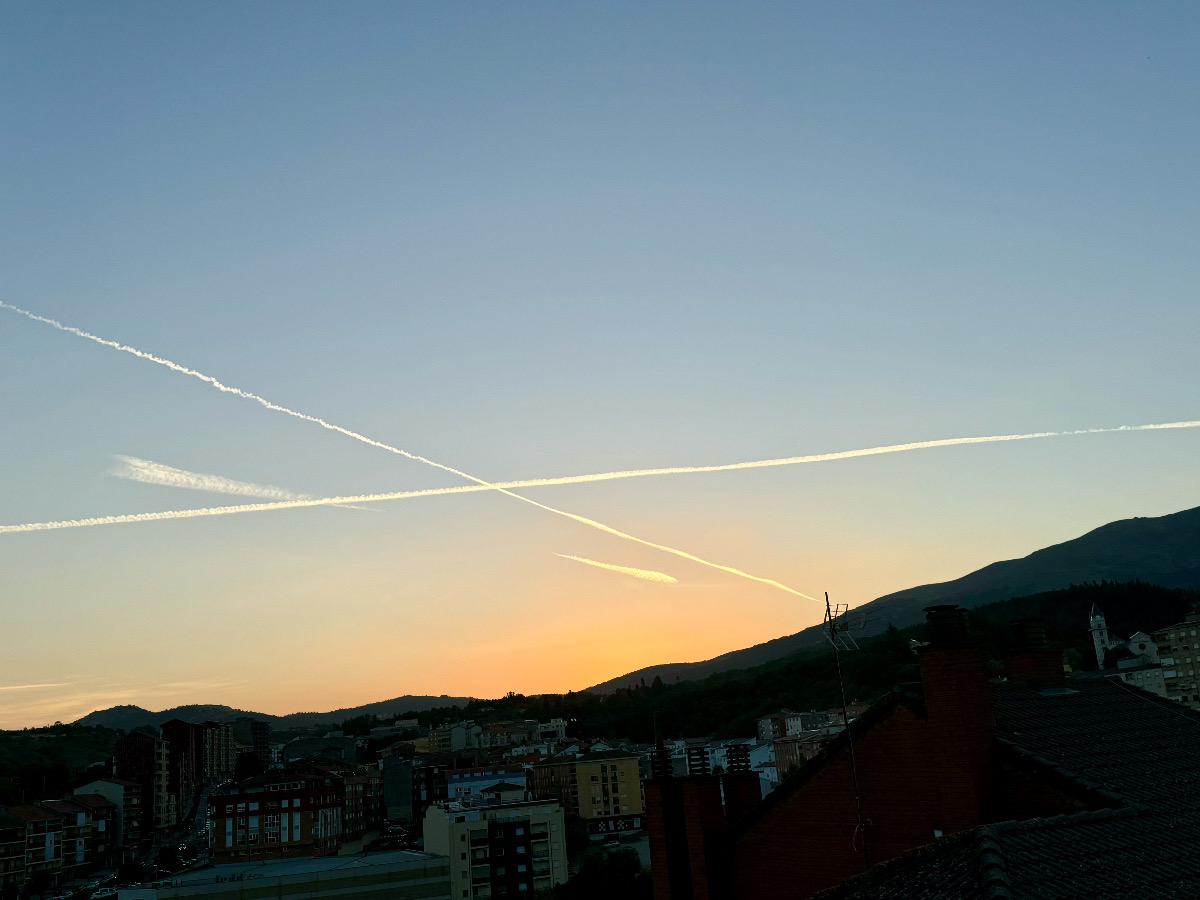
x=1099 y=634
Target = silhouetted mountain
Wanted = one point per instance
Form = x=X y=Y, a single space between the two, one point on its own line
x=1163 y=550
x=130 y=717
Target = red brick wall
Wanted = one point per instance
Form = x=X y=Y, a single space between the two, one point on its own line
x=810 y=840
x=959 y=702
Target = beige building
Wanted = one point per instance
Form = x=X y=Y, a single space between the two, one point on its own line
x=598 y=785
x=506 y=848
x=1179 y=650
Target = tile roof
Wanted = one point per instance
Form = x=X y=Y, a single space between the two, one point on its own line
x=1137 y=750
x=33 y=813
x=93 y=801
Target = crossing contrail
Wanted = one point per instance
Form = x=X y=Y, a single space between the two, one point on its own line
x=644 y=574
x=208 y=379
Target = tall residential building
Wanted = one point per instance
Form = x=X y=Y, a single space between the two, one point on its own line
x=1179 y=649
x=509 y=849
x=185 y=762
x=219 y=751
x=142 y=758
x=255 y=734
x=604 y=787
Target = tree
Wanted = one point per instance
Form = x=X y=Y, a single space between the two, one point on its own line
x=605 y=876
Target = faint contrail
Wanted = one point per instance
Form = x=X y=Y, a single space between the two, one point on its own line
x=208 y=379
x=644 y=574
x=29 y=687
x=149 y=472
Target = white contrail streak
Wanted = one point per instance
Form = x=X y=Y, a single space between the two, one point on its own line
x=208 y=379
x=149 y=472
x=644 y=574
x=588 y=479
x=30 y=687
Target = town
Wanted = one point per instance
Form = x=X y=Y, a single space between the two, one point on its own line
x=488 y=806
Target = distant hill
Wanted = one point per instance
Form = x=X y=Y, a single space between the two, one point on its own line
x=130 y=717
x=1163 y=550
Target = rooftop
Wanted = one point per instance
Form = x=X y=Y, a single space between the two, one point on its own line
x=1138 y=753
x=286 y=867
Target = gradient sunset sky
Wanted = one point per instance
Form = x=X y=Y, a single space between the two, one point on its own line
x=530 y=240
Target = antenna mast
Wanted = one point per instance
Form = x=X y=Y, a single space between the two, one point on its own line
x=837 y=632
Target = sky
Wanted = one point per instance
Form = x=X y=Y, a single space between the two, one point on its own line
x=549 y=239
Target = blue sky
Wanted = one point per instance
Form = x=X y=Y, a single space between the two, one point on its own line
x=547 y=239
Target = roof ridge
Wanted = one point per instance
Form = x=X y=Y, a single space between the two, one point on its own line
x=993 y=870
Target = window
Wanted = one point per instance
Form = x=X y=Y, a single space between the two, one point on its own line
x=520 y=831
x=520 y=848
x=254 y=806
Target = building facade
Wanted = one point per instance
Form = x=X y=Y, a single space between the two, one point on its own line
x=509 y=849
x=1180 y=650
x=603 y=787
x=280 y=815
x=142 y=758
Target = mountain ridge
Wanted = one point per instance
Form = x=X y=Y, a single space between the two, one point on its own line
x=128 y=716
x=1161 y=549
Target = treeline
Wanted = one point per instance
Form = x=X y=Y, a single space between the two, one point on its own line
x=45 y=763
x=728 y=703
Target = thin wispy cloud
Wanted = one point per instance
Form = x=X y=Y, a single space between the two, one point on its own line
x=148 y=472
x=262 y=401
x=644 y=574
x=31 y=687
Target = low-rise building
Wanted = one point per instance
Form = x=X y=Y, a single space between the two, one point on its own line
x=279 y=815
x=126 y=798
x=103 y=849
x=452 y=737
x=12 y=853
x=469 y=783
x=376 y=876
x=509 y=849
x=43 y=843
x=76 y=836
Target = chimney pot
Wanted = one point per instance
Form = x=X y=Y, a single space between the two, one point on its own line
x=947 y=624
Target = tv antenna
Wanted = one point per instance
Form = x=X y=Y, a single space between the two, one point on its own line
x=837 y=632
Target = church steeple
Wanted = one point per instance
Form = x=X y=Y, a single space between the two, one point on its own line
x=1099 y=634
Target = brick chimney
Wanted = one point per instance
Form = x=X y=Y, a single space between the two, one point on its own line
x=1032 y=662
x=959 y=705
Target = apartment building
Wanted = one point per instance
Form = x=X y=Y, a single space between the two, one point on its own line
x=12 y=853
x=103 y=848
x=126 y=798
x=43 y=843
x=279 y=815
x=604 y=787
x=185 y=761
x=499 y=849
x=220 y=754
x=1179 y=651
x=143 y=759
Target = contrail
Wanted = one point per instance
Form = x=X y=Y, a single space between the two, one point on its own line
x=208 y=379
x=149 y=472
x=29 y=687
x=644 y=574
